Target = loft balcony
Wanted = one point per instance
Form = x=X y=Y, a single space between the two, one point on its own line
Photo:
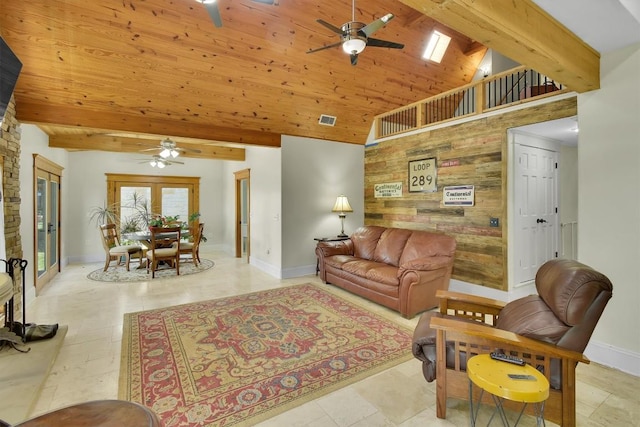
x=516 y=86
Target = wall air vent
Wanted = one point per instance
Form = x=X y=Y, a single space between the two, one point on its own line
x=327 y=120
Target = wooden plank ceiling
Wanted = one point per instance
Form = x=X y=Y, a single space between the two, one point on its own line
x=122 y=75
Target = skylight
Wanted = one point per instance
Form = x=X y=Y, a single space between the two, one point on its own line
x=436 y=47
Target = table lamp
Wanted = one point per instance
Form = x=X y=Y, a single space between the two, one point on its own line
x=342 y=206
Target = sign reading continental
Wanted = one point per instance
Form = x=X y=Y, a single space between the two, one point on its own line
x=390 y=189
x=459 y=195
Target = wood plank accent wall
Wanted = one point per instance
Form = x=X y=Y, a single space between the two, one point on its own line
x=478 y=150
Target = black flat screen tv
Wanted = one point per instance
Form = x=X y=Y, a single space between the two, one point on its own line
x=10 y=67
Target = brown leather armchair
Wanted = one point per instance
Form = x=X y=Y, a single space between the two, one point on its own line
x=549 y=331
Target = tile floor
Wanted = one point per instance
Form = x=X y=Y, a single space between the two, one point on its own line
x=87 y=366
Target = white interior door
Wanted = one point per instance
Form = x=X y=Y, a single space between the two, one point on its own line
x=536 y=209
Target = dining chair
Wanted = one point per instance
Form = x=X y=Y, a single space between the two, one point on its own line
x=193 y=247
x=114 y=251
x=164 y=245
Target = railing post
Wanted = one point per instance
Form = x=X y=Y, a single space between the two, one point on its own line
x=419 y=115
x=480 y=97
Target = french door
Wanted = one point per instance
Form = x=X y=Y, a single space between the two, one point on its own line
x=46 y=220
x=138 y=197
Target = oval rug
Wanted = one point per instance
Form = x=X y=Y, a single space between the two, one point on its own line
x=118 y=273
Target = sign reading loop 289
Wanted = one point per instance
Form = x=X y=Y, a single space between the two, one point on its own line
x=422 y=176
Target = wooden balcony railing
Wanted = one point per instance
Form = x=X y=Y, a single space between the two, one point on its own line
x=510 y=87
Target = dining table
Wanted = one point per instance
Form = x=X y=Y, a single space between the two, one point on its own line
x=144 y=237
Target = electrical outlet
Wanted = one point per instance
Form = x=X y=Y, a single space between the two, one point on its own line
x=494 y=222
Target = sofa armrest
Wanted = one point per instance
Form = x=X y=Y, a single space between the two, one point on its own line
x=341 y=247
x=476 y=335
x=485 y=310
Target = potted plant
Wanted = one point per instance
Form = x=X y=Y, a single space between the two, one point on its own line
x=103 y=215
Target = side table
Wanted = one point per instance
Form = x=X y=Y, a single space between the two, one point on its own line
x=327 y=239
x=98 y=413
x=493 y=377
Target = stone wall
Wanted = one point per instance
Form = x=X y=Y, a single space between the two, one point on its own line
x=470 y=153
x=10 y=157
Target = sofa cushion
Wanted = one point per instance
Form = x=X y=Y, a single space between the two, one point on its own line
x=360 y=267
x=386 y=274
x=422 y=244
x=365 y=240
x=337 y=261
x=391 y=245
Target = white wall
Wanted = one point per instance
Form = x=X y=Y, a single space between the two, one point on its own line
x=609 y=208
x=86 y=172
x=34 y=141
x=293 y=189
x=265 y=243
x=314 y=173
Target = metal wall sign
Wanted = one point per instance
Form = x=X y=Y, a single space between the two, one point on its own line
x=389 y=189
x=458 y=195
x=422 y=176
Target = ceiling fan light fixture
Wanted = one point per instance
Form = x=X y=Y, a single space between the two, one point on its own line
x=436 y=47
x=161 y=164
x=354 y=46
x=174 y=153
x=165 y=153
x=153 y=163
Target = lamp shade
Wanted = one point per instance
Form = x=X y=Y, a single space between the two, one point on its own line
x=342 y=205
x=354 y=45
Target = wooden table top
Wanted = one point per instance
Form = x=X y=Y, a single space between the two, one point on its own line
x=99 y=413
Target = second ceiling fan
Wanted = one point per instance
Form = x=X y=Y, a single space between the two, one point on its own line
x=354 y=36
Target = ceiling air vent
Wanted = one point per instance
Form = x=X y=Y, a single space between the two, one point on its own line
x=327 y=120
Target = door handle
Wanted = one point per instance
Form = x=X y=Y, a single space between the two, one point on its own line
x=49 y=227
x=541 y=221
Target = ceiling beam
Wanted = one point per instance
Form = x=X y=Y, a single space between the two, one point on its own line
x=27 y=112
x=136 y=145
x=524 y=32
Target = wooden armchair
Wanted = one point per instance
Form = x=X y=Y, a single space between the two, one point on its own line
x=549 y=331
x=114 y=251
x=164 y=246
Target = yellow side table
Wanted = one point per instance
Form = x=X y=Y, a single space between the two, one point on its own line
x=493 y=377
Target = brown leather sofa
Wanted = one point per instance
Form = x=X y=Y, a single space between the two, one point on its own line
x=398 y=268
x=549 y=330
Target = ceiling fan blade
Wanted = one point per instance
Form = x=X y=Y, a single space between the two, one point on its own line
x=354 y=58
x=330 y=26
x=214 y=13
x=384 y=43
x=324 y=47
x=377 y=24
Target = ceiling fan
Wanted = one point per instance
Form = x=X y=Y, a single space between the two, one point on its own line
x=168 y=148
x=354 y=36
x=160 y=162
x=214 y=11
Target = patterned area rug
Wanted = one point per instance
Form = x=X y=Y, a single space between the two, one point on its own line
x=118 y=273
x=239 y=360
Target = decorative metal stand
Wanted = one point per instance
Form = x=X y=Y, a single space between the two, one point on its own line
x=8 y=335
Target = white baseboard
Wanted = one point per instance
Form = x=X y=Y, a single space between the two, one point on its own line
x=304 y=270
x=614 y=357
x=266 y=267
